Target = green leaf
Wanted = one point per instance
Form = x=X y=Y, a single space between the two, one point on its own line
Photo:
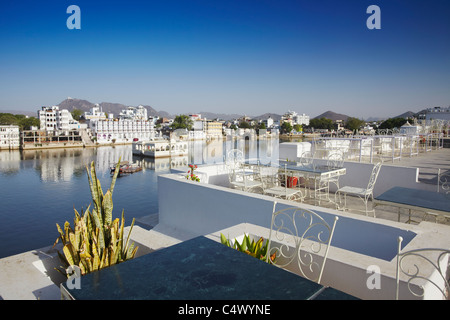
x=99 y=228
x=107 y=208
x=125 y=249
x=116 y=173
x=224 y=240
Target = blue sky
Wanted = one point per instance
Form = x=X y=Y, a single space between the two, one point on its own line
x=234 y=56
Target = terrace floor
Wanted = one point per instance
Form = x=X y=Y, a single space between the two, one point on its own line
x=428 y=164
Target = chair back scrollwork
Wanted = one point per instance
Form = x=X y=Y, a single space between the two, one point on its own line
x=444 y=182
x=300 y=238
x=374 y=176
x=410 y=264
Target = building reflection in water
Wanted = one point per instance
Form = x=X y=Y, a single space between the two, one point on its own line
x=62 y=164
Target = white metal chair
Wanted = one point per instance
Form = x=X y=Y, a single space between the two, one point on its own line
x=426 y=258
x=306 y=160
x=335 y=161
x=235 y=158
x=300 y=240
x=246 y=179
x=282 y=186
x=363 y=193
x=267 y=173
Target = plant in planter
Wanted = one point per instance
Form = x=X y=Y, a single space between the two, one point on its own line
x=256 y=249
x=96 y=241
x=191 y=175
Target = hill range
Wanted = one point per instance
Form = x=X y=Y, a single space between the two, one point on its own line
x=115 y=108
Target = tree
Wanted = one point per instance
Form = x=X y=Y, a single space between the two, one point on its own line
x=354 y=123
x=76 y=114
x=244 y=125
x=392 y=123
x=321 y=123
x=27 y=123
x=20 y=120
x=298 y=127
x=8 y=119
x=286 y=127
x=182 y=121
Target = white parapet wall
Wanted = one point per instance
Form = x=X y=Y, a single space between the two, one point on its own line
x=359 y=242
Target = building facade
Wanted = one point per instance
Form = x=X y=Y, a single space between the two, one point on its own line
x=134 y=113
x=438 y=113
x=294 y=118
x=9 y=137
x=122 y=130
x=54 y=119
x=95 y=113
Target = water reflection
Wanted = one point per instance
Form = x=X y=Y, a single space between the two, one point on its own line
x=63 y=164
x=41 y=187
x=215 y=151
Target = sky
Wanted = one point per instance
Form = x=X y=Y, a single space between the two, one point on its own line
x=228 y=56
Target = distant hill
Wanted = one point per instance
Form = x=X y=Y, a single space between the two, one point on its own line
x=274 y=116
x=115 y=108
x=221 y=116
x=108 y=107
x=407 y=114
x=24 y=112
x=332 y=116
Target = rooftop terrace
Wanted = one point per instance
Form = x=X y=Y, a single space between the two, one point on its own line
x=214 y=207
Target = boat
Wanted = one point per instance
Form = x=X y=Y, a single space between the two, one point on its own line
x=126 y=167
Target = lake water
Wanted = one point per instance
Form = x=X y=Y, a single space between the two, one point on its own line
x=41 y=188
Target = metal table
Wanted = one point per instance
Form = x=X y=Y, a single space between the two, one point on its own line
x=318 y=174
x=197 y=269
x=415 y=199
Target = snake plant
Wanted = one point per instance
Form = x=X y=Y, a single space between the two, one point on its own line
x=257 y=249
x=96 y=241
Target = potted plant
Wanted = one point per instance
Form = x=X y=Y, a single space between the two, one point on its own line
x=191 y=175
x=96 y=240
x=257 y=249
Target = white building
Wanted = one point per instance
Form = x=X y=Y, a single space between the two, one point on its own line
x=438 y=113
x=53 y=119
x=95 y=113
x=132 y=125
x=122 y=130
x=294 y=118
x=211 y=129
x=134 y=113
x=9 y=137
x=195 y=117
x=161 y=148
x=268 y=122
x=409 y=129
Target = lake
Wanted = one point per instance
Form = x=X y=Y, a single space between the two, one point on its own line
x=39 y=188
